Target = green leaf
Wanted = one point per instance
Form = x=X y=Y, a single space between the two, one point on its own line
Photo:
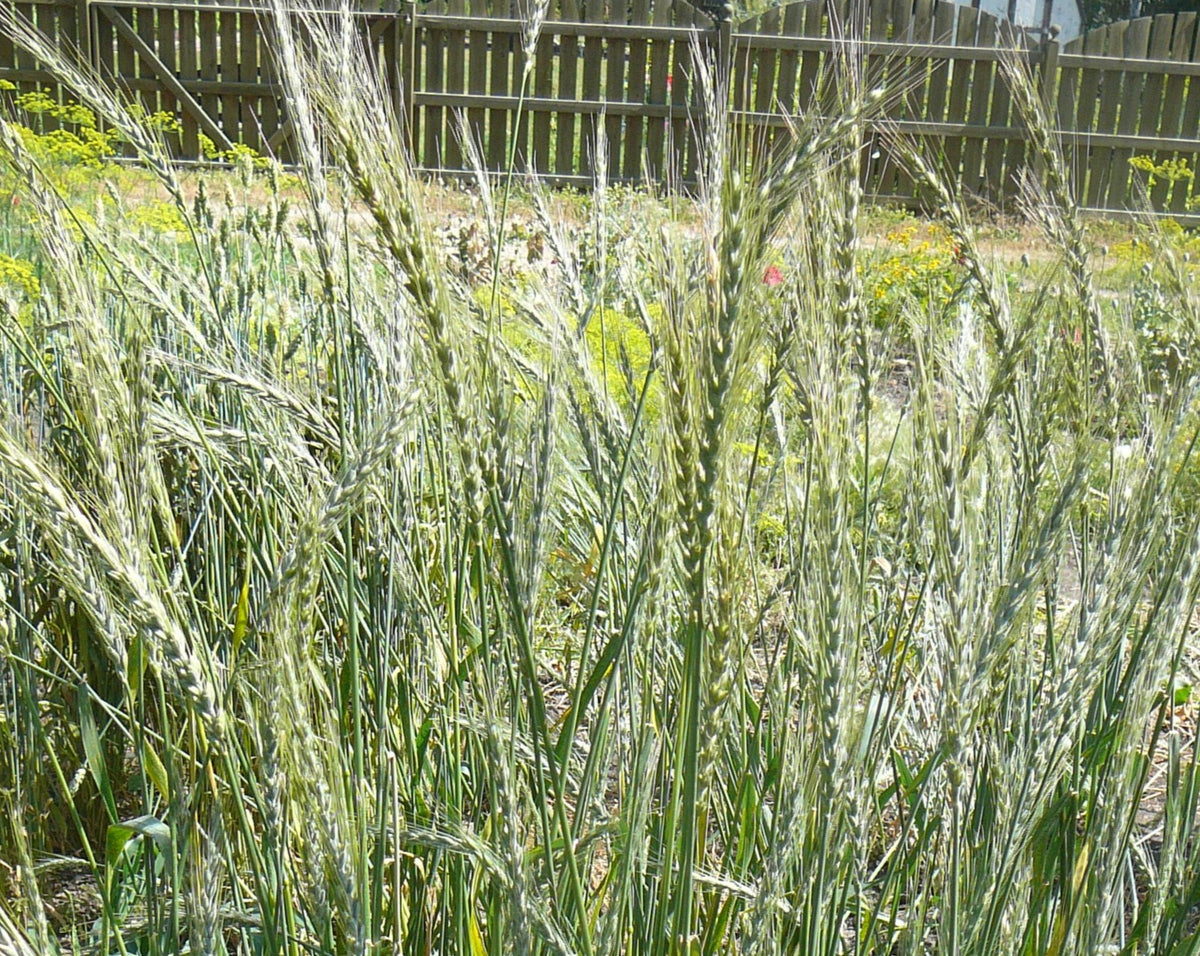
x=1183 y=694
x=155 y=770
x=135 y=667
x=477 y=947
x=241 y=616
x=119 y=835
x=93 y=751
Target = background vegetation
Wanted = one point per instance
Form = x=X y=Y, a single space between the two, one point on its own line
x=1099 y=12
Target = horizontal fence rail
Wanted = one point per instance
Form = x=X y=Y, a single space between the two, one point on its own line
x=618 y=78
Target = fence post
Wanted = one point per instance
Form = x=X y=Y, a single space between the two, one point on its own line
x=1048 y=85
x=405 y=79
x=1047 y=89
x=84 y=31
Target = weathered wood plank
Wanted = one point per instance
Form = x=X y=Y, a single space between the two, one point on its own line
x=166 y=41
x=498 y=85
x=659 y=69
x=268 y=105
x=877 y=164
x=681 y=69
x=429 y=70
x=959 y=74
x=635 y=126
x=919 y=68
x=789 y=60
x=614 y=92
x=1137 y=46
x=476 y=53
x=227 y=45
x=251 y=55
x=939 y=70
x=188 y=71
x=999 y=114
x=593 y=66
x=766 y=89
x=1169 y=96
x=1108 y=93
x=810 y=60
x=1183 y=101
x=453 y=81
x=982 y=74
x=903 y=74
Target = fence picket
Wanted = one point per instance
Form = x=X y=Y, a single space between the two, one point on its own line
x=593 y=65
x=635 y=126
x=815 y=24
x=939 y=74
x=498 y=119
x=453 y=81
x=659 y=70
x=1176 y=115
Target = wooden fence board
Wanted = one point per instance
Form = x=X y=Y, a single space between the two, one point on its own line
x=960 y=87
x=228 y=46
x=1151 y=120
x=789 y=60
x=1015 y=151
x=498 y=146
x=453 y=81
x=766 y=78
x=593 y=65
x=1104 y=103
x=999 y=115
x=433 y=118
x=982 y=74
x=7 y=53
x=248 y=71
x=1190 y=121
x=614 y=92
x=877 y=161
x=1083 y=116
x=210 y=59
x=1137 y=43
x=22 y=60
x=542 y=82
x=476 y=54
x=104 y=49
x=919 y=67
x=167 y=42
x=741 y=80
x=908 y=76
x=659 y=70
x=939 y=69
x=1182 y=47
x=677 y=161
x=810 y=60
x=144 y=23
x=520 y=132
x=635 y=126
x=1064 y=107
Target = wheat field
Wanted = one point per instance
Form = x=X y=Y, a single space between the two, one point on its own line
x=714 y=588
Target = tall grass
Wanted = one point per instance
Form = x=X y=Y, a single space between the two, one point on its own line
x=349 y=608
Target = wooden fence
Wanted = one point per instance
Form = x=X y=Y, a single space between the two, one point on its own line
x=622 y=75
